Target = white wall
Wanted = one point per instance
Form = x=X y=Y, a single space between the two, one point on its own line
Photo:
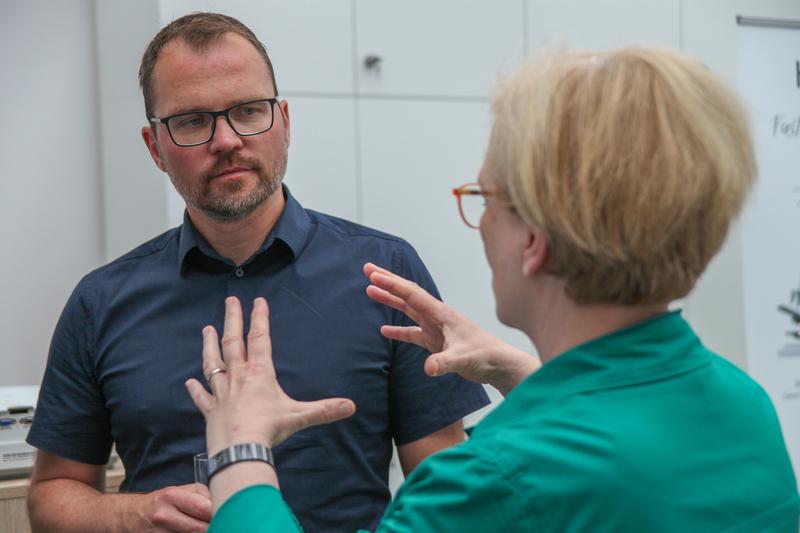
x=134 y=191
x=50 y=220
x=716 y=306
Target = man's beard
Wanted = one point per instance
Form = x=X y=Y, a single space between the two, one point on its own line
x=232 y=204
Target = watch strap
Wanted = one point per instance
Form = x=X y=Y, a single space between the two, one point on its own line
x=249 y=451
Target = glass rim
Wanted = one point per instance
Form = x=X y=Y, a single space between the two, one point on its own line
x=470 y=190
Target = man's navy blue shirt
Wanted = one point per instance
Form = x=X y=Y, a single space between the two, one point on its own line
x=130 y=336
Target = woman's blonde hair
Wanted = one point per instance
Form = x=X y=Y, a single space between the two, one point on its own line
x=634 y=161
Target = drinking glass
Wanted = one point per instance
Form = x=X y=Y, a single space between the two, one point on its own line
x=201 y=468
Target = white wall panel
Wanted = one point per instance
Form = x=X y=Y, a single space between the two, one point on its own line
x=51 y=228
x=437 y=47
x=603 y=23
x=413 y=154
x=134 y=202
x=322 y=157
x=309 y=41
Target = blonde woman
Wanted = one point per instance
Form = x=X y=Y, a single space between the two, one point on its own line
x=610 y=182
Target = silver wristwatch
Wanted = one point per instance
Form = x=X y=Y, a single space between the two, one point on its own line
x=250 y=451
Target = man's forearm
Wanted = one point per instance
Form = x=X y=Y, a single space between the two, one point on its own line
x=67 y=505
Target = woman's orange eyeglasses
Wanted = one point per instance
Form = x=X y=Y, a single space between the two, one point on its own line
x=471 y=203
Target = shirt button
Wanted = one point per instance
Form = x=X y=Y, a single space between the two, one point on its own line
x=239 y=272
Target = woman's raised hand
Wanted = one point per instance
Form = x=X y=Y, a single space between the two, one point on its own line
x=456 y=343
x=247 y=404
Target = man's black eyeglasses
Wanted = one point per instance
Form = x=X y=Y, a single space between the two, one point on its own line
x=197 y=127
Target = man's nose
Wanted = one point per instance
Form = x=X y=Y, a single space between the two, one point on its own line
x=225 y=138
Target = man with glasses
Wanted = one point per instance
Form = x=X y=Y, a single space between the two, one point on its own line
x=130 y=335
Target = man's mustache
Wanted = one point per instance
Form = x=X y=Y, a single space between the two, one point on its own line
x=232 y=160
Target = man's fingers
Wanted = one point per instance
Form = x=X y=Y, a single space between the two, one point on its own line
x=202 y=399
x=201 y=489
x=233 y=349
x=173 y=520
x=194 y=504
x=180 y=508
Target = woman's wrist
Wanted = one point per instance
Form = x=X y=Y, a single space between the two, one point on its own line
x=238 y=477
x=216 y=445
x=516 y=366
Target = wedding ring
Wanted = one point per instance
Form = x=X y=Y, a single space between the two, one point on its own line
x=214 y=373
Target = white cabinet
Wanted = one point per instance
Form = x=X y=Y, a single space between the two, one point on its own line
x=603 y=23
x=322 y=172
x=436 y=47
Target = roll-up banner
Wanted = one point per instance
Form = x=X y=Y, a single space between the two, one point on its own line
x=769 y=82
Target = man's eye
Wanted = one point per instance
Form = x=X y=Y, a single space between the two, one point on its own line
x=250 y=112
x=191 y=121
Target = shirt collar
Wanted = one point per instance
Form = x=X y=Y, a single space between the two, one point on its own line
x=656 y=348
x=292 y=228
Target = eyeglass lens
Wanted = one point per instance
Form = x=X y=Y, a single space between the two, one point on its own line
x=472 y=207
x=197 y=128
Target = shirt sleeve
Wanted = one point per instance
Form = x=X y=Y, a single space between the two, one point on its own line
x=459 y=489
x=411 y=391
x=71 y=420
x=455 y=490
x=255 y=509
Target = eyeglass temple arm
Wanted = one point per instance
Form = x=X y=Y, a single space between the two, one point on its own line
x=468 y=192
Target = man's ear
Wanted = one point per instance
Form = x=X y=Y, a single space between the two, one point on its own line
x=536 y=252
x=284 y=105
x=149 y=138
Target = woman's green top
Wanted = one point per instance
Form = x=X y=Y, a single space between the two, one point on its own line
x=643 y=429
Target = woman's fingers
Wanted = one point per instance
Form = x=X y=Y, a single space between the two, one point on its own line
x=438 y=365
x=201 y=398
x=250 y=381
x=383 y=297
x=369 y=268
x=233 y=348
x=416 y=299
x=412 y=334
x=467 y=365
x=259 y=344
x=301 y=415
x=325 y=411
x=214 y=367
